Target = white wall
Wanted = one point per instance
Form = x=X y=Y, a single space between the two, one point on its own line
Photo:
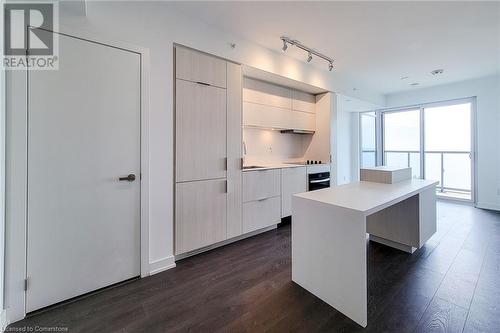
x=154 y=26
x=487 y=92
x=346 y=143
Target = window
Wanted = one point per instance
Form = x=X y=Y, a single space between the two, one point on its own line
x=402 y=139
x=435 y=140
x=448 y=148
x=368 y=139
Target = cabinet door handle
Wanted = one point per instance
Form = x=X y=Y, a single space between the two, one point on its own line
x=129 y=178
x=225 y=186
x=319 y=181
x=203 y=83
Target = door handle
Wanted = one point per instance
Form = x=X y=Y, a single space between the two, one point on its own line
x=319 y=181
x=129 y=178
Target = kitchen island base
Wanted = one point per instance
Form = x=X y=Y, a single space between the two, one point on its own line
x=329 y=230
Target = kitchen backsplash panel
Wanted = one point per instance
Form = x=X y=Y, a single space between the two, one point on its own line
x=265 y=146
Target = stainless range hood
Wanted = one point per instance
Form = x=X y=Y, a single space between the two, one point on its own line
x=297 y=131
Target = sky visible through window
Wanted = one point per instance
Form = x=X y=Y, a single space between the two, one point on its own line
x=448 y=128
x=402 y=130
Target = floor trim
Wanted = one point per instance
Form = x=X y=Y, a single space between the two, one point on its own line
x=161 y=265
x=487 y=205
x=4 y=322
x=225 y=242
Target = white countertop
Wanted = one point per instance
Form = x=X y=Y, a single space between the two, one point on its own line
x=281 y=166
x=274 y=166
x=368 y=197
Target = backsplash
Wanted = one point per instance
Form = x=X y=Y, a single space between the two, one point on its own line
x=265 y=146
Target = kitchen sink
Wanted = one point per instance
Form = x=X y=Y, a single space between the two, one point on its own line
x=252 y=167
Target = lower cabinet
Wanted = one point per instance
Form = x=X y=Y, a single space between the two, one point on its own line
x=293 y=180
x=261 y=213
x=200 y=214
x=261 y=199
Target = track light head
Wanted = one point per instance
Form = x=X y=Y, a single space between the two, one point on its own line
x=310 y=52
x=285 y=46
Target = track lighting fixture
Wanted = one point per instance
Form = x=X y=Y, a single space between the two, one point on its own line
x=309 y=51
x=285 y=46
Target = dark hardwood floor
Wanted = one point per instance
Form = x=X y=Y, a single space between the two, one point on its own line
x=452 y=284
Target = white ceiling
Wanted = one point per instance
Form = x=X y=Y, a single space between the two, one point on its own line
x=374 y=43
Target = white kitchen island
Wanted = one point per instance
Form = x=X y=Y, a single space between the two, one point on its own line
x=329 y=228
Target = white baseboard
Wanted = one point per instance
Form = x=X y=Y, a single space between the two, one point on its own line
x=488 y=205
x=3 y=320
x=224 y=242
x=161 y=265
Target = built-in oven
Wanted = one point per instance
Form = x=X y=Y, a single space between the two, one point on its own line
x=318 y=181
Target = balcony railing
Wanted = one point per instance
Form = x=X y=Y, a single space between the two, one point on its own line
x=435 y=164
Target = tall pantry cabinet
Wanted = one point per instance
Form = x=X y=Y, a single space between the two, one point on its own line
x=208 y=138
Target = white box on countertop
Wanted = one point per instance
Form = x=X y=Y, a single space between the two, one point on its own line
x=385 y=174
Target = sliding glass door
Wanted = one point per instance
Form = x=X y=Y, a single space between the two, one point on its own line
x=435 y=140
x=401 y=139
x=448 y=148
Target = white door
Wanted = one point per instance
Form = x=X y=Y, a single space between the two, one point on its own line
x=83 y=134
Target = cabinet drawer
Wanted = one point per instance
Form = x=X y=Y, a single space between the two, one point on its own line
x=199 y=67
x=261 y=184
x=261 y=213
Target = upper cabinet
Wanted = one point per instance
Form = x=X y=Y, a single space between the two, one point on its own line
x=303 y=121
x=267 y=105
x=266 y=116
x=302 y=101
x=199 y=67
x=260 y=92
